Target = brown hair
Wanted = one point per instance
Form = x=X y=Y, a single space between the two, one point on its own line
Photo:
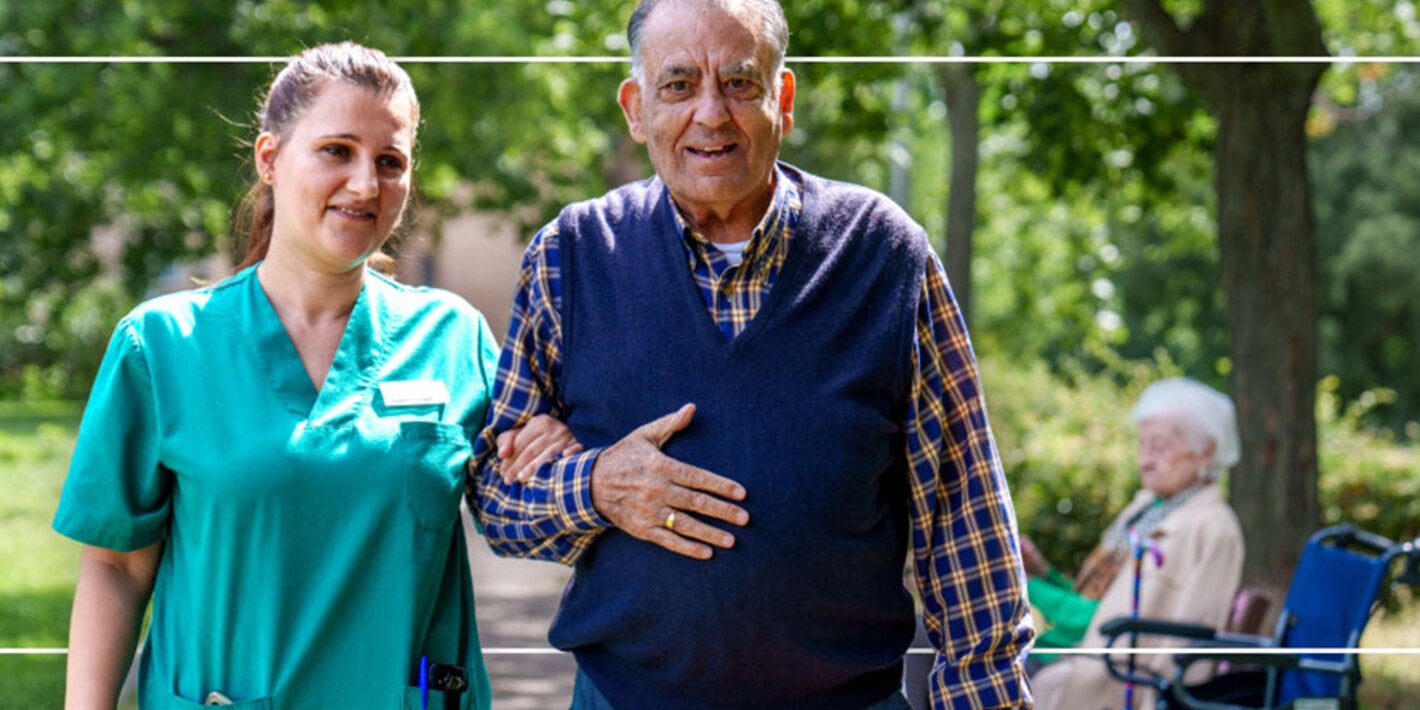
x=292 y=92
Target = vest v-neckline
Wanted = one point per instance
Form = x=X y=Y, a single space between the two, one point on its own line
x=706 y=325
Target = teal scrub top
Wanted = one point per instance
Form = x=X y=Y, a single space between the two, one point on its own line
x=313 y=547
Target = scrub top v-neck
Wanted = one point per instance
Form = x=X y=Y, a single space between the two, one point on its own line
x=313 y=550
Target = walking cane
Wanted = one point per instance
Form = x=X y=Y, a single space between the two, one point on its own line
x=1138 y=546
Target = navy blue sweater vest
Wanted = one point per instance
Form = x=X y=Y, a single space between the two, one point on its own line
x=805 y=408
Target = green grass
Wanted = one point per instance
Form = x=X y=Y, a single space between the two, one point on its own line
x=1392 y=682
x=37 y=566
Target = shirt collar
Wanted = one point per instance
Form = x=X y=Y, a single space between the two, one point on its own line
x=783 y=211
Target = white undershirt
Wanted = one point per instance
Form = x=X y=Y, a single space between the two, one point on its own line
x=734 y=251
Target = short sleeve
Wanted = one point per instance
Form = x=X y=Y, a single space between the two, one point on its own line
x=116 y=494
x=488 y=352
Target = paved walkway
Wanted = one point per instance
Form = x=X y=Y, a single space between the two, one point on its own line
x=516 y=601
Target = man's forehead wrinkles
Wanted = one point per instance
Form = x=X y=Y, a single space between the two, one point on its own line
x=679 y=69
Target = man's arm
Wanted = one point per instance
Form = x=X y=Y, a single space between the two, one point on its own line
x=557 y=509
x=964 y=539
x=550 y=515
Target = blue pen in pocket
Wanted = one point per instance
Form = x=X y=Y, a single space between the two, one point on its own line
x=424 y=682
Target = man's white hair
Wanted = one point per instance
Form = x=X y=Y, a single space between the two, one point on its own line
x=773 y=28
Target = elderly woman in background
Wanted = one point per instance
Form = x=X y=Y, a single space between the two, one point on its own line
x=1187 y=438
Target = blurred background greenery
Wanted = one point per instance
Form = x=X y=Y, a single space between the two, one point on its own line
x=1083 y=211
x=1095 y=234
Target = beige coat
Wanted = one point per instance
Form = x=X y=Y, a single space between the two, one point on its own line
x=1202 y=546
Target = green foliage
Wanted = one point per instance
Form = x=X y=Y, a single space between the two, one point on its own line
x=1095 y=235
x=105 y=145
x=1368 y=476
x=1122 y=258
x=1068 y=450
x=153 y=156
x=57 y=342
x=1360 y=28
x=1368 y=226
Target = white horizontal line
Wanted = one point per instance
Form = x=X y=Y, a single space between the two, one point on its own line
x=617 y=59
x=1143 y=651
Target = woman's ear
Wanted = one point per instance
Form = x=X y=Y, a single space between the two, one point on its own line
x=264 y=156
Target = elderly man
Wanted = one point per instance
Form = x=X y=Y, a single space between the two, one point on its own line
x=823 y=405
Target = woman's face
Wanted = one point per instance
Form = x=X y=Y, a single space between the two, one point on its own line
x=1167 y=464
x=341 y=177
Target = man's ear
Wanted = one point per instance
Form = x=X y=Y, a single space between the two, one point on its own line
x=786 y=99
x=629 y=96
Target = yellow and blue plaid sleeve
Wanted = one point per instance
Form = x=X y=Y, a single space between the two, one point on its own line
x=965 y=542
x=551 y=517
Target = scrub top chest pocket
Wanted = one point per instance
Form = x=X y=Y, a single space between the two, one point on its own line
x=434 y=455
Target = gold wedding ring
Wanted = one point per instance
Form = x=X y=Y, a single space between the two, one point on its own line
x=670 y=521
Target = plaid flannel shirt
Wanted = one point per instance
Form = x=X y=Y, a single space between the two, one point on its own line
x=964 y=545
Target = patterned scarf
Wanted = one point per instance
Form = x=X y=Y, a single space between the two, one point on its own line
x=1105 y=561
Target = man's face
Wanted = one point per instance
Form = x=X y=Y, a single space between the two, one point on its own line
x=708 y=109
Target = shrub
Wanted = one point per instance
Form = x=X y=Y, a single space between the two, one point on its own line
x=1370 y=477
x=1067 y=447
x=1068 y=450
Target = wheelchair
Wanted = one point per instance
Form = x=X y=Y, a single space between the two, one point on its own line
x=1343 y=576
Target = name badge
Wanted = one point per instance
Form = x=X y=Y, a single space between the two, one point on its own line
x=408 y=393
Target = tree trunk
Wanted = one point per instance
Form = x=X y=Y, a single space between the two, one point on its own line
x=1269 y=264
x=959 y=84
x=1267 y=249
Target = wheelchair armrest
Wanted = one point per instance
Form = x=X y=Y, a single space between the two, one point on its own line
x=1119 y=626
x=1151 y=679
x=1183 y=694
x=1223 y=639
x=1289 y=661
x=1195 y=633
x=1236 y=640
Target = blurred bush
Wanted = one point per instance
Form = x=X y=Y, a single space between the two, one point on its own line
x=1370 y=477
x=1068 y=449
x=53 y=351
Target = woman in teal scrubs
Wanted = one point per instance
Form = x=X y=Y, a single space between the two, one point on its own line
x=277 y=460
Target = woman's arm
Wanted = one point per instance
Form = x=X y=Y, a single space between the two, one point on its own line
x=109 y=602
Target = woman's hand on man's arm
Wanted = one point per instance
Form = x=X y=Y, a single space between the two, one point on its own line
x=523 y=449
